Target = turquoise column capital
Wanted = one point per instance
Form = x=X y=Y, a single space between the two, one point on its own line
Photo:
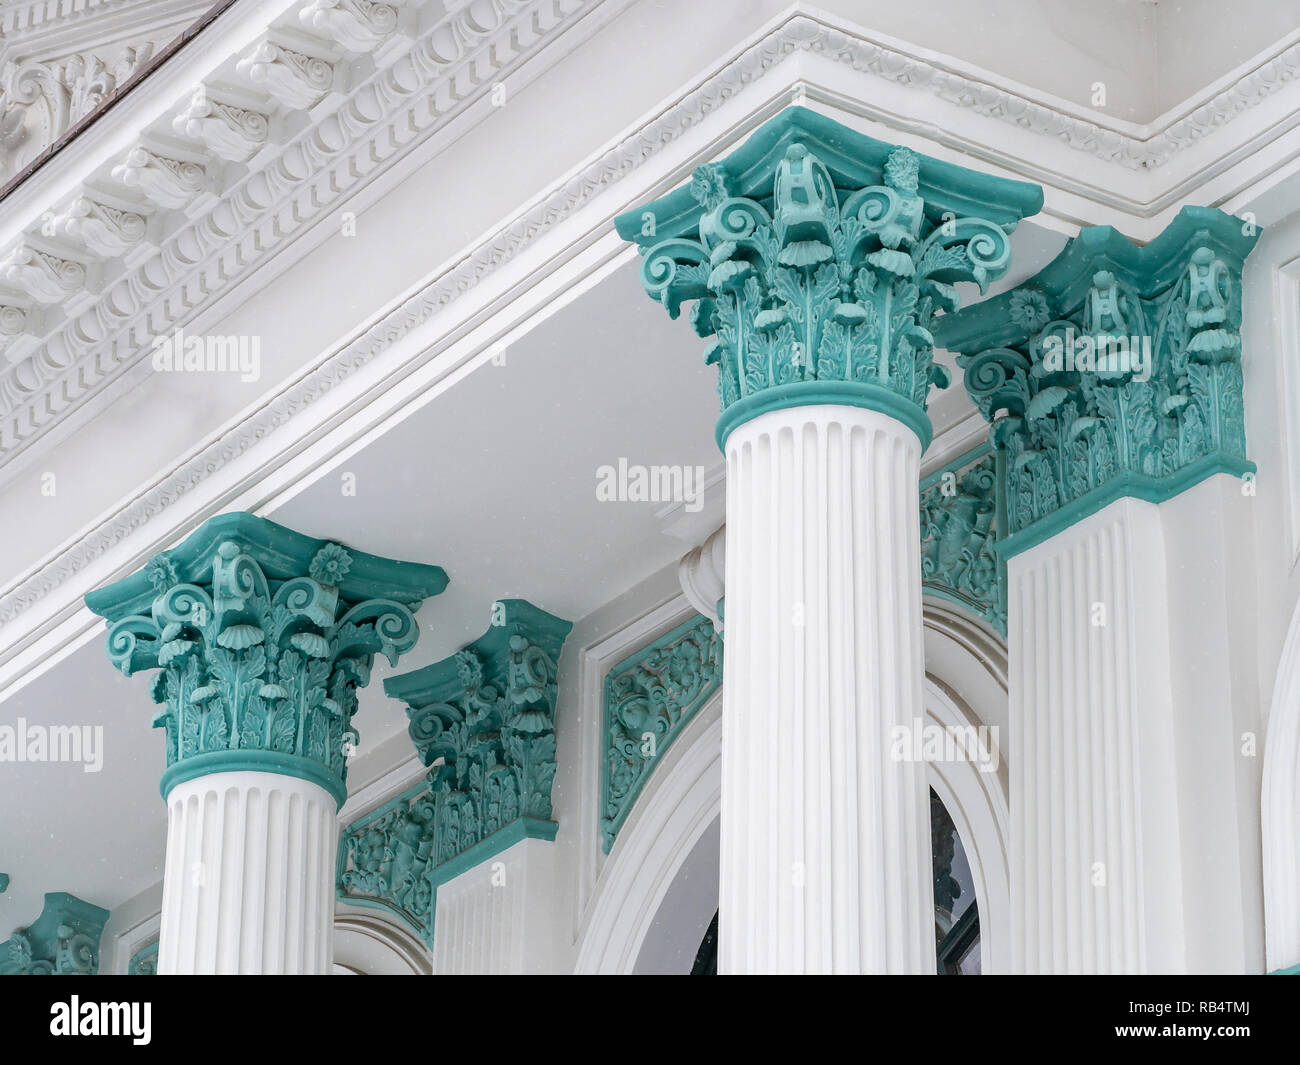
x=63 y=940
x=1115 y=371
x=818 y=260
x=483 y=721
x=261 y=637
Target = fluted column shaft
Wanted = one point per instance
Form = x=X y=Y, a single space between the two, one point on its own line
x=1133 y=789
x=825 y=840
x=249 y=880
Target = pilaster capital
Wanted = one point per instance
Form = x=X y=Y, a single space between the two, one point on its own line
x=1115 y=371
x=262 y=637
x=483 y=721
x=63 y=940
x=818 y=260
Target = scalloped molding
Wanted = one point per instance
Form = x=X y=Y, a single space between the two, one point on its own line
x=798 y=35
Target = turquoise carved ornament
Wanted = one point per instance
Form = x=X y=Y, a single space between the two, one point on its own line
x=261 y=638
x=817 y=261
x=483 y=721
x=1115 y=371
x=62 y=941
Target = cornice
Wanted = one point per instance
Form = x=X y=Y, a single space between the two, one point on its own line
x=799 y=33
x=58 y=369
x=349 y=138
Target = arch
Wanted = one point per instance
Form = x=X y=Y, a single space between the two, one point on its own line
x=369 y=943
x=681 y=802
x=687 y=910
x=977 y=803
x=1280 y=803
x=962 y=655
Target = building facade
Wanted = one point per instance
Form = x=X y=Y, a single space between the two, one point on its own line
x=593 y=486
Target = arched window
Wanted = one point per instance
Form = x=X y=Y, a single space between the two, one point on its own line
x=956 y=915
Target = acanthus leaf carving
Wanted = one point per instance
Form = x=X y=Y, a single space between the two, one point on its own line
x=483 y=721
x=252 y=657
x=1131 y=387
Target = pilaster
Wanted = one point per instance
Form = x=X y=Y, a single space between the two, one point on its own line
x=483 y=721
x=1113 y=382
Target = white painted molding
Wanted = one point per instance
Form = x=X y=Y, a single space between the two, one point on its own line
x=1280 y=807
x=369 y=942
x=131 y=939
x=388 y=785
x=702 y=572
x=978 y=805
x=384 y=117
x=1286 y=336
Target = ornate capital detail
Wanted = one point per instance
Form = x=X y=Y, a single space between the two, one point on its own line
x=649 y=698
x=1115 y=371
x=819 y=259
x=483 y=721
x=959 y=533
x=262 y=638
x=63 y=940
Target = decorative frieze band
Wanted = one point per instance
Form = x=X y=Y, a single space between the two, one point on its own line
x=483 y=721
x=63 y=940
x=232 y=117
x=1115 y=371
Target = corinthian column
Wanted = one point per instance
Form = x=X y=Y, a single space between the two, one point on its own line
x=1113 y=382
x=262 y=638
x=817 y=259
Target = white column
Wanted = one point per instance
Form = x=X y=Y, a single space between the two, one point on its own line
x=495 y=917
x=249 y=880
x=1133 y=811
x=825 y=840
